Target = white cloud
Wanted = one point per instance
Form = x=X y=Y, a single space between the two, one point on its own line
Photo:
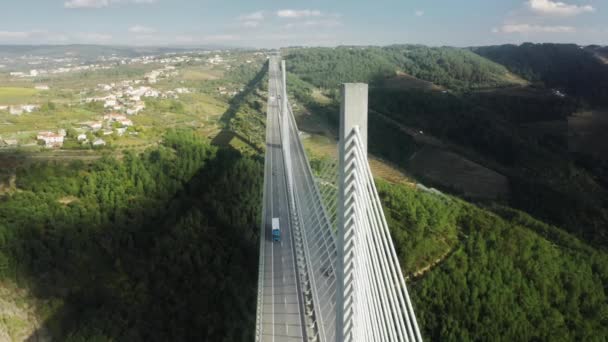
x=419 y=13
x=527 y=28
x=101 y=3
x=314 y=23
x=32 y=36
x=556 y=8
x=205 y=39
x=92 y=37
x=251 y=20
x=86 y=3
x=290 y=13
x=250 y=24
x=220 y=38
x=10 y=35
x=141 y=29
x=255 y=16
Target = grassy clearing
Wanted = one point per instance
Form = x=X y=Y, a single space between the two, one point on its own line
x=200 y=73
x=456 y=172
x=320 y=98
x=15 y=95
x=20 y=314
x=406 y=81
x=90 y=79
x=515 y=79
x=587 y=133
x=30 y=123
x=322 y=146
x=200 y=111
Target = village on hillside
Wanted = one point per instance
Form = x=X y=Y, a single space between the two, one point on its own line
x=113 y=102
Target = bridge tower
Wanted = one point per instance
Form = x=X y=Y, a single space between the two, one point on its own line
x=372 y=303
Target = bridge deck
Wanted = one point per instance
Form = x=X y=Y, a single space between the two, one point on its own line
x=282 y=316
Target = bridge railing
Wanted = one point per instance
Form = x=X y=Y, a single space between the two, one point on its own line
x=318 y=238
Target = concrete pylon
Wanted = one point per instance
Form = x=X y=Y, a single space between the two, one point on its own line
x=284 y=92
x=284 y=121
x=353 y=115
x=353 y=111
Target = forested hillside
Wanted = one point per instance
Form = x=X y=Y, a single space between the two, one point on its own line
x=568 y=67
x=486 y=126
x=503 y=276
x=455 y=68
x=159 y=246
x=486 y=272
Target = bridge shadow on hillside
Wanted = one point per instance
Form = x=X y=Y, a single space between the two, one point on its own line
x=226 y=135
x=183 y=267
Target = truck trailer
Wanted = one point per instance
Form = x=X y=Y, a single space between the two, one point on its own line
x=276 y=230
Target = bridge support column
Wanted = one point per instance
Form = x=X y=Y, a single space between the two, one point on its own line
x=353 y=115
x=284 y=121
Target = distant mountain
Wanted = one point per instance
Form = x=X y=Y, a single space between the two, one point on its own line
x=93 y=52
x=574 y=69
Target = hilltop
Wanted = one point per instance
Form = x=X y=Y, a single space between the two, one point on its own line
x=500 y=134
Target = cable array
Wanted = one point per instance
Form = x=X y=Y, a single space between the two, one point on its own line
x=375 y=301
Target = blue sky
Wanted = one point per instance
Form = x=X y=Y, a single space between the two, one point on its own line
x=268 y=23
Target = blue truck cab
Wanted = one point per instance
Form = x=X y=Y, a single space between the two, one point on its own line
x=276 y=230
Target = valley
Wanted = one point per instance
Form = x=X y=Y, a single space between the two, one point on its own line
x=491 y=182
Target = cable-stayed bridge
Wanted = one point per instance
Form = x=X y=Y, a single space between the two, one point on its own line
x=333 y=275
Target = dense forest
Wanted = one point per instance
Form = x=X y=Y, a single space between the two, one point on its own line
x=485 y=125
x=454 y=68
x=568 y=67
x=159 y=246
x=504 y=276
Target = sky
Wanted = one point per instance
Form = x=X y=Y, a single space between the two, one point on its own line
x=271 y=24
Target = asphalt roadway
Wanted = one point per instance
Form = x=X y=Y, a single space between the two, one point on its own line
x=282 y=311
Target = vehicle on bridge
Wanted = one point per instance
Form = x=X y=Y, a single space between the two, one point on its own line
x=276 y=231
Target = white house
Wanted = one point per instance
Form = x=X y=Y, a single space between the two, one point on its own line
x=82 y=137
x=94 y=125
x=125 y=122
x=114 y=117
x=183 y=90
x=110 y=103
x=50 y=139
x=99 y=142
x=136 y=109
x=30 y=108
x=42 y=87
x=152 y=93
x=16 y=110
